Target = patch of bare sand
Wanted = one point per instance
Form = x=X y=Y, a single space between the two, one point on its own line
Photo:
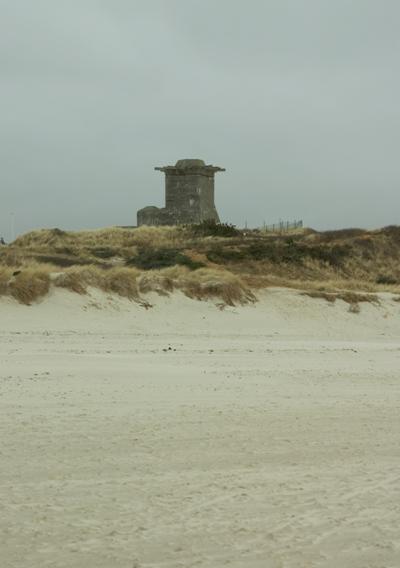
x=182 y=435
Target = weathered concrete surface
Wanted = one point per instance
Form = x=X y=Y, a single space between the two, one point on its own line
x=189 y=195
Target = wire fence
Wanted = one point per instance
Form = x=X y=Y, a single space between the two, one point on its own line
x=282 y=226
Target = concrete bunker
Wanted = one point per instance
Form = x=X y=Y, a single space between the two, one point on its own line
x=189 y=195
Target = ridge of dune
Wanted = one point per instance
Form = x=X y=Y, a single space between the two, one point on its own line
x=279 y=310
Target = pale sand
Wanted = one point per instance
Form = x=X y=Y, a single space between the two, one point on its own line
x=267 y=436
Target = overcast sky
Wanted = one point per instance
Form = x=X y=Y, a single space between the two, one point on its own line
x=298 y=99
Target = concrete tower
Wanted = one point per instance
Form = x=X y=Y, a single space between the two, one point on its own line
x=189 y=195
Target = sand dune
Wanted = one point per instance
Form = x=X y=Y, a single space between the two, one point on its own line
x=185 y=435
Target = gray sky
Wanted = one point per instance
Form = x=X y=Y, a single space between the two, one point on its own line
x=298 y=99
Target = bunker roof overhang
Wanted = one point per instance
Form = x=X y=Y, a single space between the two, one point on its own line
x=188 y=167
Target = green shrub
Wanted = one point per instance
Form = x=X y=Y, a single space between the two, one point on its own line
x=393 y=232
x=211 y=228
x=151 y=259
x=62 y=261
x=386 y=279
x=222 y=255
x=334 y=255
x=279 y=252
x=103 y=252
x=327 y=236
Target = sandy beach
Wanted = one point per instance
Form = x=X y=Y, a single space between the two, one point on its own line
x=185 y=435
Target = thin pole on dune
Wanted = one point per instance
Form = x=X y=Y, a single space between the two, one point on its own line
x=12 y=226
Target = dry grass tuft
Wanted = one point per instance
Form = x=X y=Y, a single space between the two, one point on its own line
x=216 y=284
x=29 y=285
x=351 y=298
x=121 y=281
x=356 y=298
x=328 y=296
x=113 y=239
x=158 y=281
x=34 y=282
x=11 y=257
x=202 y=284
x=77 y=279
x=5 y=277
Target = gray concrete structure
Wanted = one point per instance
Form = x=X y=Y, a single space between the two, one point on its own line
x=189 y=195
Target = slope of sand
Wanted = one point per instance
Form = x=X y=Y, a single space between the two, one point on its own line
x=181 y=435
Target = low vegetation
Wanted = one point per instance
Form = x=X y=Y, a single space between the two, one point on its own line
x=280 y=252
x=213 y=229
x=352 y=298
x=150 y=259
x=208 y=260
x=27 y=285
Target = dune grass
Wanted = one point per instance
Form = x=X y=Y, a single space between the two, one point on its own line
x=220 y=262
x=121 y=281
x=202 y=284
x=349 y=297
x=32 y=283
x=27 y=285
x=103 y=242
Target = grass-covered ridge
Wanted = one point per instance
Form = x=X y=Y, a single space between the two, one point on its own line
x=204 y=261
